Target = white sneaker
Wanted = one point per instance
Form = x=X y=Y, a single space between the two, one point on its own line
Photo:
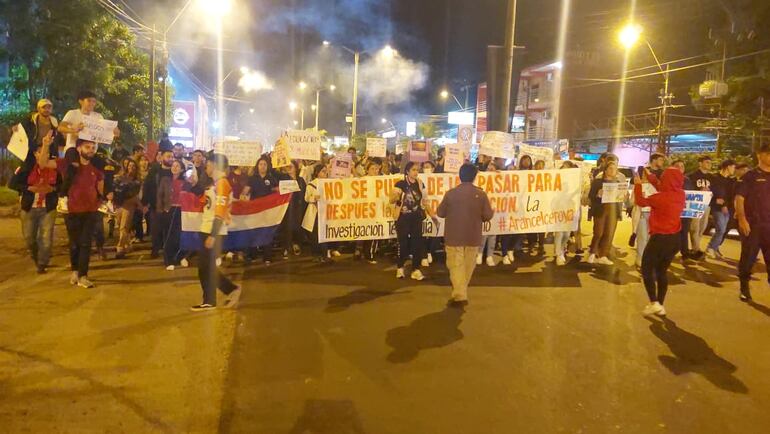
x=591 y=258
x=652 y=309
x=604 y=261
x=336 y=253
x=233 y=299
x=400 y=273
x=711 y=254
x=478 y=259
x=510 y=256
x=430 y=258
x=219 y=262
x=74 y=278
x=662 y=311
x=561 y=260
x=506 y=261
x=425 y=263
x=229 y=256
x=184 y=263
x=417 y=275
x=490 y=261
x=83 y=282
x=170 y=268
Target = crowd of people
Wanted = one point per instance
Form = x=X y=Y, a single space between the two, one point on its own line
x=137 y=195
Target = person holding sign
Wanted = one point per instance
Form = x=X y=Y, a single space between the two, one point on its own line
x=664 y=225
x=291 y=226
x=411 y=208
x=605 y=215
x=72 y=123
x=310 y=222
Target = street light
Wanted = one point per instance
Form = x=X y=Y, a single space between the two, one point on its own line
x=332 y=87
x=445 y=94
x=293 y=106
x=302 y=85
x=313 y=107
x=218 y=8
x=317 y=106
x=384 y=121
x=629 y=35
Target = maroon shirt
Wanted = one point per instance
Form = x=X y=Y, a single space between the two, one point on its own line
x=83 y=195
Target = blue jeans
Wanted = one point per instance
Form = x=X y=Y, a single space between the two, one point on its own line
x=642 y=236
x=37 y=228
x=721 y=219
x=560 y=241
x=490 y=241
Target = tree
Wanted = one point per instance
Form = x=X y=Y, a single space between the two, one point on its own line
x=57 y=48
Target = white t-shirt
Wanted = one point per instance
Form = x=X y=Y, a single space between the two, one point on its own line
x=75 y=117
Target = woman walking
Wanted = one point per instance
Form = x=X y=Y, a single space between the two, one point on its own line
x=412 y=206
x=170 y=208
x=128 y=187
x=665 y=211
x=605 y=215
x=310 y=222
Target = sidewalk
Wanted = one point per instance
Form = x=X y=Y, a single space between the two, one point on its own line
x=125 y=356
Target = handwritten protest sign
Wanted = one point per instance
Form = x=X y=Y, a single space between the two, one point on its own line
x=341 y=165
x=614 y=192
x=98 y=130
x=497 y=144
x=280 y=155
x=465 y=137
x=376 y=146
x=288 y=186
x=240 y=153
x=454 y=157
x=419 y=151
x=19 y=143
x=696 y=203
x=536 y=153
x=303 y=145
x=400 y=148
x=531 y=202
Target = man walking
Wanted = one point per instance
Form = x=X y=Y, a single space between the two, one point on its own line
x=85 y=193
x=701 y=178
x=752 y=210
x=465 y=208
x=722 y=185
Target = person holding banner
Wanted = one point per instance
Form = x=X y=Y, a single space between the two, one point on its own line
x=291 y=226
x=261 y=183
x=310 y=221
x=702 y=180
x=465 y=208
x=411 y=208
x=432 y=244
x=72 y=123
x=561 y=239
x=488 y=242
x=752 y=210
x=169 y=208
x=666 y=206
x=370 y=247
x=605 y=215
x=216 y=216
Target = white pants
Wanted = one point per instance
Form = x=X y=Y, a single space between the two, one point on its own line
x=461 y=261
x=697 y=228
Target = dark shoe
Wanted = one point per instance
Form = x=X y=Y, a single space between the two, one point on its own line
x=154 y=255
x=456 y=303
x=202 y=307
x=120 y=255
x=745 y=292
x=41 y=269
x=632 y=240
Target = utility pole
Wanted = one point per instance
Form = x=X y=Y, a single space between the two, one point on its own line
x=317 y=107
x=356 y=56
x=665 y=101
x=510 y=33
x=164 y=88
x=151 y=125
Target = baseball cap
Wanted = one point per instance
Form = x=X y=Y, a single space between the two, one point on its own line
x=44 y=102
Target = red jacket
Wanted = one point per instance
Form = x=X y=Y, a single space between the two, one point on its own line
x=667 y=204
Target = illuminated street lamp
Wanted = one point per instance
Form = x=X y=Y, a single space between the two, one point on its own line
x=293 y=106
x=384 y=121
x=629 y=35
x=302 y=85
x=445 y=94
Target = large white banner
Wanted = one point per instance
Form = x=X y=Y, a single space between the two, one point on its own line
x=524 y=202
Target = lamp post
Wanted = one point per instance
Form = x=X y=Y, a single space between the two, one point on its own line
x=293 y=106
x=445 y=94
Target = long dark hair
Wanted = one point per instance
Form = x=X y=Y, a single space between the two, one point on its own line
x=408 y=167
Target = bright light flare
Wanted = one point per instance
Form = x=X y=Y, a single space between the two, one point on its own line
x=313 y=107
x=216 y=8
x=444 y=94
x=302 y=85
x=332 y=87
x=629 y=35
x=384 y=121
x=326 y=43
x=293 y=106
x=389 y=52
x=254 y=81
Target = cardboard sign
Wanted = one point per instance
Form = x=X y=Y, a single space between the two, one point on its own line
x=240 y=153
x=419 y=151
x=341 y=166
x=465 y=137
x=376 y=147
x=497 y=144
x=288 y=186
x=614 y=192
x=98 y=130
x=536 y=153
x=304 y=145
x=400 y=148
x=19 y=144
x=280 y=156
x=454 y=157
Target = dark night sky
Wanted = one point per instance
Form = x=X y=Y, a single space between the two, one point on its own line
x=450 y=36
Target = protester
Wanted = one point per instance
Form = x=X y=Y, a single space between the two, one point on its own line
x=684 y=234
x=158 y=170
x=488 y=242
x=216 y=216
x=368 y=249
x=465 y=208
x=722 y=184
x=411 y=203
x=126 y=197
x=291 y=226
x=432 y=244
x=752 y=210
x=701 y=178
x=310 y=221
x=740 y=170
x=86 y=188
x=665 y=223
x=179 y=154
x=169 y=207
x=605 y=215
x=261 y=183
x=440 y=159
x=72 y=123
x=561 y=239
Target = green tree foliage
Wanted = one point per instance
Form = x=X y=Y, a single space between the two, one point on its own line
x=57 y=48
